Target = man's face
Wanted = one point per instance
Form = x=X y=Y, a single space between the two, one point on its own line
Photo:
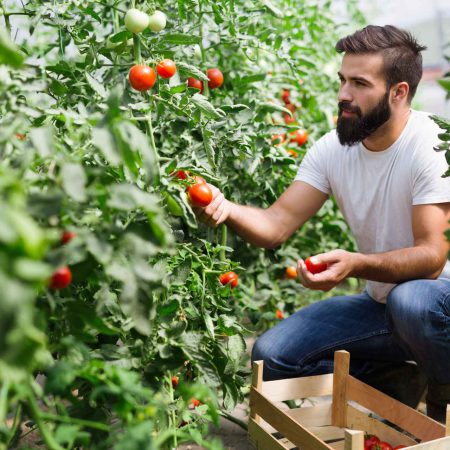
x=363 y=98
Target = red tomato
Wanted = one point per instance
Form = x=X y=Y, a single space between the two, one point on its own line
x=288 y=119
x=196 y=84
x=142 y=78
x=229 y=277
x=166 y=68
x=61 y=278
x=381 y=446
x=200 y=194
x=299 y=136
x=67 y=236
x=291 y=272
x=194 y=403
x=399 y=446
x=175 y=381
x=20 y=136
x=215 y=78
x=314 y=268
x=370 y=440
x=291 y=107
x=181 y=174
x=285 y=95
x=279 y=314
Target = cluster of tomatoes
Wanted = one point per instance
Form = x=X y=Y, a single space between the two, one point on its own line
x=193 y=403
x=373 y=442
x=143 y=77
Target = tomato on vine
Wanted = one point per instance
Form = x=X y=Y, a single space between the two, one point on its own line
x=291 y=272
x=196 y=84
x=175 y=380
x=181 y=174
x=157 y=21
x=215 y=78
x=229 y=277
x=194 y=403
x=279 y=314
x=314 y=267
x=67 y=236
x=278 y=139
x=142 y=78
x=136 y=21
x=285 y=96
x=61 y=278
x=166 y=68
x=299 y=136
x=200 y=194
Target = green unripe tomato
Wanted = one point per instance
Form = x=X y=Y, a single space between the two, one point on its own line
x=157 y=21
x=136 y=21
x=197 y=51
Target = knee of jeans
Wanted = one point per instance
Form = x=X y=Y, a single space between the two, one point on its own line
x=398 y=304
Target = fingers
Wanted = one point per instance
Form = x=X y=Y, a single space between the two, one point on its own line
x=318 y=282
x=216 y=212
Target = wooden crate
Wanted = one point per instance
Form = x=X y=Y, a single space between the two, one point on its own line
x=345 y=409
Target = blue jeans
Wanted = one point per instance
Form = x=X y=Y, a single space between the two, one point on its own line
x=413 y=325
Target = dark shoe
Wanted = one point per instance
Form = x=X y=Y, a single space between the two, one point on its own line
x=438 y=396
x=402 y=381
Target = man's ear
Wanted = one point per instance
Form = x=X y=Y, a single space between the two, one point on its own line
x=400 y=92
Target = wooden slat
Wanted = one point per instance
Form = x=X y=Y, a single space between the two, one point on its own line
x=338 y=445
x=257 y=380
x=327 y=433
x=438 y=444
x=340 y=375
x=405 y=417
x=265 y=441
x=361 y=421
x=301 y=387
x=354 y=440
x=447 y=422
x=287 y=426
x=308 y=416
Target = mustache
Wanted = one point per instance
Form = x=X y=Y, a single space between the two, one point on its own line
x=345 y=106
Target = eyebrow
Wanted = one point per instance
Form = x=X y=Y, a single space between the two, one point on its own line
x=364 y=80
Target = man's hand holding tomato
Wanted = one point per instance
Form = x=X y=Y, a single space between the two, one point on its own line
x=339 y=265
x=217 y=211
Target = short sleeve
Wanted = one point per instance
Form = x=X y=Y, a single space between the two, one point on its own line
x=313 y=168
x=428 y=184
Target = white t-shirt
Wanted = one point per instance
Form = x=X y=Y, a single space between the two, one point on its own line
x=376 y=190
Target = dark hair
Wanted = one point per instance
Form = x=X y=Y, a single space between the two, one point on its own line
x=402 y=60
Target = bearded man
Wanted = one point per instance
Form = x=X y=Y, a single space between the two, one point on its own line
x=380 y=166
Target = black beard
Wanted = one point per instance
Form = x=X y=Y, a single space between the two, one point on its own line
x=351 y=130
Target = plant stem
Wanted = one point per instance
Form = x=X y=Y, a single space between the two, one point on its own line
x=223 y=243
x=235 y=420
x=38 y=419
x=4 y=391
x=137 y=48
x=15 y=424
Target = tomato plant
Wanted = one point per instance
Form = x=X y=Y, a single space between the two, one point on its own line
x=166 y=68
x=142 y=78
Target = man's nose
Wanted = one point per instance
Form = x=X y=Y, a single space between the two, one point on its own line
x=345 y=94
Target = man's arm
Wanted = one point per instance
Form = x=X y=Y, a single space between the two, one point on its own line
x=424 y=260
x=269 y=227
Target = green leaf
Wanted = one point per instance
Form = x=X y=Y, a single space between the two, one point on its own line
x=445 y=83
x=207 y=108
x=9 y=52
x=42 y=139
x=96 y=86
x=74 y=181
x=104 y=141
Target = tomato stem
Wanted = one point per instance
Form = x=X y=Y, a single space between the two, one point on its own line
x=223 y=243
x=137 y=48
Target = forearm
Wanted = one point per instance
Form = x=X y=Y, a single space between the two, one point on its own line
x=255 y=225
x=419 y=262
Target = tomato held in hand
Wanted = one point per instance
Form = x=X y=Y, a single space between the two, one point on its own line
x=166 y=68
x=291 y=272
x=370 y=440
x=157 y=21
x=279 y=314
x=142 y=78
x=196 y=84
x=67 y=236
x=314 y=267
x=215 y=78
x=200 y=194
x=299 y=136
x=381 y=446
x=229 y=277
x=136 y=21
x=61 y=278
